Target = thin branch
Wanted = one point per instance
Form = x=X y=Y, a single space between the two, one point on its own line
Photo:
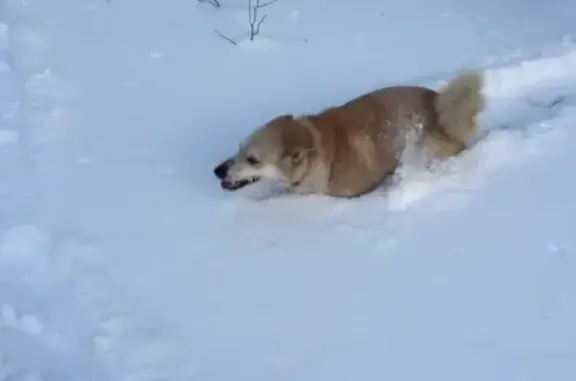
x=252 y=13
x=215 y=3
x=253 y=21
x=252 y=16
x=266 y=3
x=226 y=38
x=257 y=30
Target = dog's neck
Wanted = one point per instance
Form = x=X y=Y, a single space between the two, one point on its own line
x=316 y=178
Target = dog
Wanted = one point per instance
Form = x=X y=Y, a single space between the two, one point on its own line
x=349 y=150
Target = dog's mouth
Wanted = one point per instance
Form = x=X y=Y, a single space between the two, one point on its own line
x=235 y=185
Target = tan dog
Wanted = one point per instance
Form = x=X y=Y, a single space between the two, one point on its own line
x=349 y=150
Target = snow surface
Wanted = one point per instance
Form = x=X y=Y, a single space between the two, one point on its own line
x=121 y=259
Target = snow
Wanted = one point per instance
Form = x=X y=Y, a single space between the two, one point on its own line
x=121 y=258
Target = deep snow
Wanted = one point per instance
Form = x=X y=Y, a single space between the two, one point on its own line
x=121 y=259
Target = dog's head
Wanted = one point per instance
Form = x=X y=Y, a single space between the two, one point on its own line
x=282 y=150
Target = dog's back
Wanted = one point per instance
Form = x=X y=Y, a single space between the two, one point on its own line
x=365 y=137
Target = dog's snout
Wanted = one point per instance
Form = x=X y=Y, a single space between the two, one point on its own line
x=221 y=170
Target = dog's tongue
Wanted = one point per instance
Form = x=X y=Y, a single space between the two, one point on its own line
x=232 y=185
x=227 y=185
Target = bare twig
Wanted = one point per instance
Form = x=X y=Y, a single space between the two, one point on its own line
x=215 y=3
x=226 y=38
x=266 y=3
x=252 y=14
x=257 y=31
x=253 y=20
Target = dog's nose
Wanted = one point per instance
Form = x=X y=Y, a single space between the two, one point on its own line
x=221 y=170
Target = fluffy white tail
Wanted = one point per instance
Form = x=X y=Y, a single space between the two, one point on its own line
x=458 y=103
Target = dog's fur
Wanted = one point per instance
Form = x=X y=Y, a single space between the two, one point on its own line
x=349 y=150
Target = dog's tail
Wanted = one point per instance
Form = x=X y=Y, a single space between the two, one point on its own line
x=457 y=105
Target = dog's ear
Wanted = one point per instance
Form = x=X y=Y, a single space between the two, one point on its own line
x=296 y=136
x=297 y=155
x=283 y=118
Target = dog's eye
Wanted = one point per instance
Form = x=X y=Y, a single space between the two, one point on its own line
x=252 y=160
